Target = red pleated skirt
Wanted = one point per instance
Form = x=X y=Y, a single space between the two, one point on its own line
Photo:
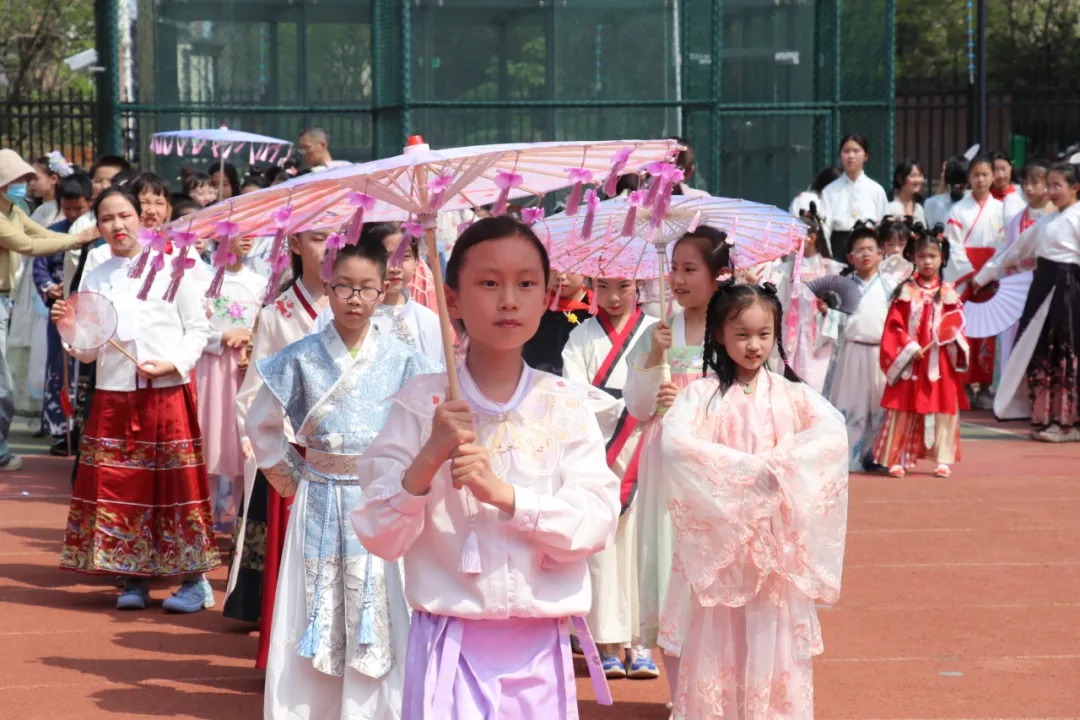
x=141 y=503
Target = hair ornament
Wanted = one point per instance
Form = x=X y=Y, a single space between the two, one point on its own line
x=769 y=287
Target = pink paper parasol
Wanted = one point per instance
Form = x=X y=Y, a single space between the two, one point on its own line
x=89 y=322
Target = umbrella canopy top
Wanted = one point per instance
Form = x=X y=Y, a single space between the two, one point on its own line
x=223 y=142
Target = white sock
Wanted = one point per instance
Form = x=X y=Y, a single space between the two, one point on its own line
x=671 y=672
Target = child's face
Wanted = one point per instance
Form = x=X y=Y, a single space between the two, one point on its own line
x=853 y=157
x=570 y=284
x=865 y=255
x=616 y=296
x=226 y=188
x=928 y=261
x=691 y=281
x=204 y=195
x=894 y=245
x=1036 y=189
x=748 y=336
x=311 y=247
x=156 y=210
x=74 y=208
x=980 y=178
x=364 y=279
x=119 y=225
x=103 y=178
x=43 y=183
x=1002 y=174
x=810 y=244
x=501 y=293
x=398 y=277
x=241 y=246
x=915 y=180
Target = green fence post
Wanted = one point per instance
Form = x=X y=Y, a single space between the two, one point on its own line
x=716 y=78
x=108 y=82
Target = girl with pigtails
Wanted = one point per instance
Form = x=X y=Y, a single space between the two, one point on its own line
x=922 y=361
x=756 y=466
x=666 y=359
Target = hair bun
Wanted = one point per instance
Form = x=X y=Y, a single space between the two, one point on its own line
x=769 y=288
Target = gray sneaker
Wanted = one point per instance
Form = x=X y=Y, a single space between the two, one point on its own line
x=193 y=596
x=11 y=463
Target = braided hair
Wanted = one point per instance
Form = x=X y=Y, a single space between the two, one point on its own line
x=729 y=301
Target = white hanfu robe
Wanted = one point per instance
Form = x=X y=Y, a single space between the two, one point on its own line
x=340 y=626
x=806 y=333
x=411 y=323
x=655 y=535
x=937 y=208
x=1057 y=239
x=896 y=209
x=758 y=487
x=597 y=355
x=856 y=382
x=974 y=233
x=509 y=583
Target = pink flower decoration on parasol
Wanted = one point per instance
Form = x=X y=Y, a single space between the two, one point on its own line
x=505 y=181
x=363 y=203
x=279 y=253
x=334 y=242
x=532 y=215
x=437 y=186
x=579 y=177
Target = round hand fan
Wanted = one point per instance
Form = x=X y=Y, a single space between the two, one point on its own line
x=838 y=292
x=949 y=328
x=89 y=321
x=235 y=308
x=993 y=310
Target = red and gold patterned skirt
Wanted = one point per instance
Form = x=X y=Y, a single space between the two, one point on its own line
x=141 y=503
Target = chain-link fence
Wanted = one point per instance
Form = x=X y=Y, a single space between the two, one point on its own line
x=762 y=89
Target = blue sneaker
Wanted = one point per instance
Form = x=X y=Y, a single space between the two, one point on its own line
x=613 y=666
x=642 y=666
x=193 y=596
x=135 y=596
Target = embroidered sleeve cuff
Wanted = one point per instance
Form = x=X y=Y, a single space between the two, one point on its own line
x=903 y=360
x=526 y=510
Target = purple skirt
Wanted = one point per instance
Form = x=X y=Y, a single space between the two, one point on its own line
x=516 y=669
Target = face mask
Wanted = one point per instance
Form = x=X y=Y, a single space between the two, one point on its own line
x=16 y=192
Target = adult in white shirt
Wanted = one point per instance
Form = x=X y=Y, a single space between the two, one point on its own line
x=908 y=181
x=953 y=188
x=314 y=146
x=852 y=196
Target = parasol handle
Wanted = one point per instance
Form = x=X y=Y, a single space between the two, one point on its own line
x=665 y=368
x=221 y=178
x=124 y=352
x=453 y=391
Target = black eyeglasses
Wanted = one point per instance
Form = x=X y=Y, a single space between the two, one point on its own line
x=367 y=294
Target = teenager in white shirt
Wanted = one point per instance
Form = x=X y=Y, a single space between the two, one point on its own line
x=1005 y=189
x=953 y=188
x=852 y=196
x=908 y=181
x=141 y=502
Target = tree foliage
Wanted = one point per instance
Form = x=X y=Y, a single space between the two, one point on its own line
x=35 y=38
x=1029 y=43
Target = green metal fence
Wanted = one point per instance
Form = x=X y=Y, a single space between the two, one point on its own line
x=762 y=88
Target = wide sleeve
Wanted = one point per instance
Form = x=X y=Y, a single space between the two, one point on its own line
x=580 y=518
x=26 y=237
x=388 y=519
x=264 y=427
x=196 y=330
x=897 y=346
x=261 y=346
x=959 y=265
x=41 y=273
x=740 y=518
x=642 y=384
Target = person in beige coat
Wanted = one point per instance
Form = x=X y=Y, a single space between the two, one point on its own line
x=19 y=235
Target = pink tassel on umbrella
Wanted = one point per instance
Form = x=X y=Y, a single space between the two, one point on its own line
x=182 y=242
x=408 y=232
x=637 y=199
x=277 y=151
x=594 y=304
x=505 y=181
x=156 y=265
x=592 y=201
x=223 y=256
x=277 y=251
x=579 y=177
x=197 y=146
x=334 y=242
x=555 y=298
x=150 y=240
x=362 y=203
x=618 y=163
x=532 y=215
x=181 y=144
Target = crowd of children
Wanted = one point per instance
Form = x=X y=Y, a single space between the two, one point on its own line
x=608 y=480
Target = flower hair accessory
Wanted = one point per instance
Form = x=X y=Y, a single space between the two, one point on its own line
x=59 y=165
